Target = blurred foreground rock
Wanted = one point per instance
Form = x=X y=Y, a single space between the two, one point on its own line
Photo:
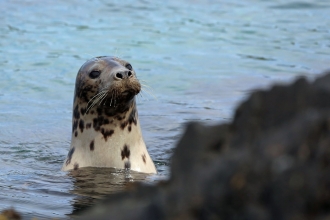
x=271 y=162
x=10 y=214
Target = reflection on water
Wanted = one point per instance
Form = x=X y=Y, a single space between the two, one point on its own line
x=197 y=58
x=90 y=184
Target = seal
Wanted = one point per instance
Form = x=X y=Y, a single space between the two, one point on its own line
x=106 y=130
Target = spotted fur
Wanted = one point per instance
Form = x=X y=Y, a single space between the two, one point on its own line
x=88 y=125
x=105 y=119
x=106 y=133
x=83 y=111
x=81 y=125
x=91 y=145
x=76 y=113
x=125 y=152
x=74 y=126
x=69 y=157
x=144 y=158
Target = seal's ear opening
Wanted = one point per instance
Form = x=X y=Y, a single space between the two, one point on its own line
x=94 y=74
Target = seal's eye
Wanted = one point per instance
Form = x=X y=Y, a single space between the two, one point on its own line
x=94 y=74
x=129 y=66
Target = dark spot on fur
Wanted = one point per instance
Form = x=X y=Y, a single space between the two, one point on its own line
x=84 y=91
x=88 y=125
x=109 y=112
x=99 y=111
x=92 y=112
x=99 y=121
x=96 y=124
x=119 y=118
x=69 y=157
x=127 y=165
x=129 y=128
x=106 y=133
x=74 y=125
x=144 y=158
x=82 y=111
x=76 y=134
x=76 y=113
x=75 y=166
x=132 y=117
x=91 y=145
x=81 y=125
x=123 y=125
x=125 y=152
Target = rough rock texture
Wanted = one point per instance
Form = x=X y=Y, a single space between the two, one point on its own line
x=271 y=162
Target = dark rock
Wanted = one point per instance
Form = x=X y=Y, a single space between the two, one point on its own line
x=10 y=214
x=271 y=162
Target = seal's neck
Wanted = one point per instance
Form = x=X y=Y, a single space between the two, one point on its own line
x=104 y=120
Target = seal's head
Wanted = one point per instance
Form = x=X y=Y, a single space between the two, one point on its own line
x=108 y=82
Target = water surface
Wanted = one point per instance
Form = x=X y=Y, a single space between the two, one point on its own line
x=200 y=58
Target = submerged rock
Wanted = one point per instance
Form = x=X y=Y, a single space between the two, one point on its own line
x=271 y=162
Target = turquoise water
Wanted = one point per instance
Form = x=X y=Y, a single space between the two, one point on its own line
x=199 y=59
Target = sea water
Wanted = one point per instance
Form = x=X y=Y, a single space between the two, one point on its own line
x=197 y=59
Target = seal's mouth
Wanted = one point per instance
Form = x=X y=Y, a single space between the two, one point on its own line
x=127 y=95
x=115 y=97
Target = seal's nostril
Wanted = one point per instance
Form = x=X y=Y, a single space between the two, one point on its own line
x=119 y=75
x=129 y=73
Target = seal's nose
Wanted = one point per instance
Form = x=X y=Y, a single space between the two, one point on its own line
x=123 y=75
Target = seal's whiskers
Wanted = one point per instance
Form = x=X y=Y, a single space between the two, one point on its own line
x=97 y=95
x=150 y=93
x=103 y=99
x=145 y=85
x=111 y=98
x=96 y=99
x=95 y=102
x=147 y=89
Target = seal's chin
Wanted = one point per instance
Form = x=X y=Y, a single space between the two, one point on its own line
x=127 y=96
x=127 y=93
